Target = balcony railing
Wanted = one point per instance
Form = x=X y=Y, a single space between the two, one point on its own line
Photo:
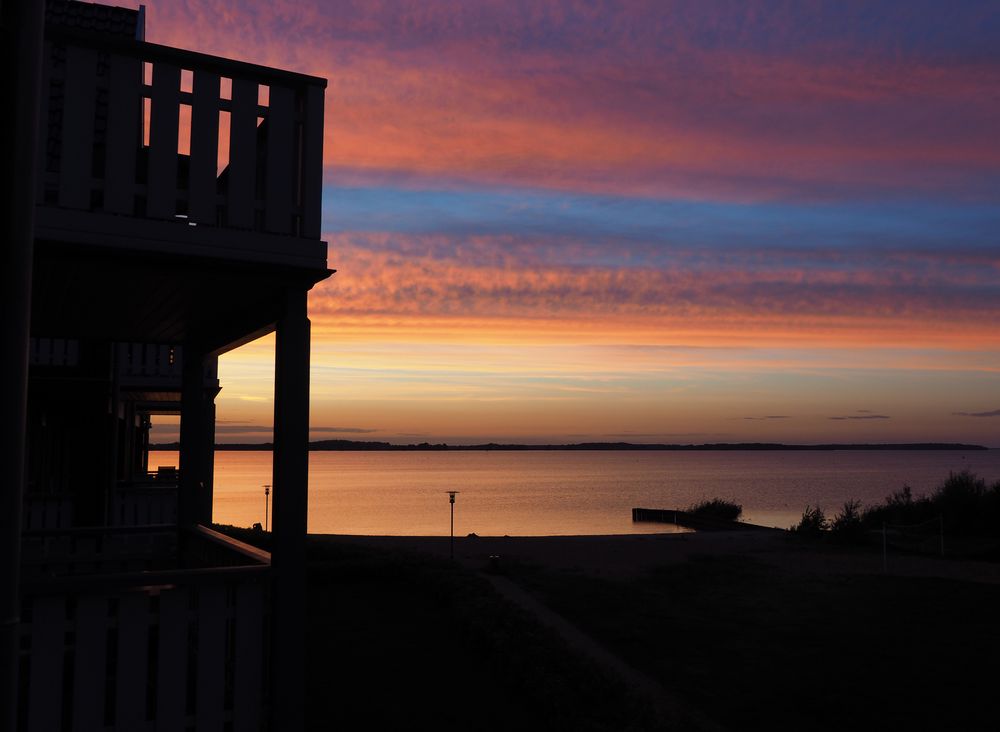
x=143 y=130
x=142 y=503
x=182 y=646
x=156 y=363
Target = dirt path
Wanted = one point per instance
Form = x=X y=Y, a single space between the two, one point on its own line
x=674 y=714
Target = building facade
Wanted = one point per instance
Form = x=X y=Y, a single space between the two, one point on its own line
x=176 y=205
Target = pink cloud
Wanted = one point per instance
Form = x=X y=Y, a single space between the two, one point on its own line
x=567 y=95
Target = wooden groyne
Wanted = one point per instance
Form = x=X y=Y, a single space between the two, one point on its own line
x=693 y=520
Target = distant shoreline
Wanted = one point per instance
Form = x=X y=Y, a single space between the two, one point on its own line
x=357 y=446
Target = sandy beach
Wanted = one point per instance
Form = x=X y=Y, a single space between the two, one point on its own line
x=631 y=555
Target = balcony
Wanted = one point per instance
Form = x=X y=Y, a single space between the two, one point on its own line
x=160 y=149
x=138 y=628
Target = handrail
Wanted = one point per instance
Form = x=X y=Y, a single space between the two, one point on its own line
x=134 y=581
x=241 y=547
x=157 y=52
x=101 y=530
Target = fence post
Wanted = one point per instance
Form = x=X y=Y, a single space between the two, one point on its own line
x=885 y=561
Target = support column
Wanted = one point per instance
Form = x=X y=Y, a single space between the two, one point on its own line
x=197 y=458
x=207 y=456
x=114 y=430
x=190 y=493
x=290 y=482
x=144 y=443
x=20 y=55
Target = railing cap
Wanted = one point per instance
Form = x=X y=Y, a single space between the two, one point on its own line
x=145 y=51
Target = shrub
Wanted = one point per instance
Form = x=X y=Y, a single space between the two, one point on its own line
x=901 y=499
x=717 y=508
x=847 y=524
x=963 y=499
x=813 y=521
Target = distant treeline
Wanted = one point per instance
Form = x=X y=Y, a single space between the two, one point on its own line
x=321 y=445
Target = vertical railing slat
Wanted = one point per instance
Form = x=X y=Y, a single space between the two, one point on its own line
x=33 y=514
x=249 y=661
x=133 y=662
x=42 y=144
x=211 y=658
x=48 y=635
x=151 y=360
x=124 y=126
x=90 y=670
x=242 y=154
x=312 y=162
x=76 y=161
x=171 y=701
x=164 y=120
x=280 y=161
x=204 y=147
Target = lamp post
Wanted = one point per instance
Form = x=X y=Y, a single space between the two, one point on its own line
x=451 y=501
x=267 y=493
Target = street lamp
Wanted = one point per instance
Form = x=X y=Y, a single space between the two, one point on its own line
x=267 y=493
x=451 y=501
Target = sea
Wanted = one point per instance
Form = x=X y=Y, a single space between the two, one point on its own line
x=560 y=493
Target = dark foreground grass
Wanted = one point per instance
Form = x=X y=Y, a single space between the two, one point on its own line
x=756 y=649
x=399 y=641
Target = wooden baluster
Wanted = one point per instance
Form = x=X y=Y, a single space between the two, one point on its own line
x=172 y=666
x=243 y=154
x=124 y=128
x=48 y=617
x=211 y=657
x=133 y=662
x=161 y=189
x=312 y=163
x=76 y=159
x=249 y=662
x=204 y=148
x=90 y=671
x=278 y=194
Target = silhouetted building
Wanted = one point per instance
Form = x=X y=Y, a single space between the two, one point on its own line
x=176 y=216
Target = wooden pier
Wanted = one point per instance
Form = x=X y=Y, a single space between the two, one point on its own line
x=692 y=520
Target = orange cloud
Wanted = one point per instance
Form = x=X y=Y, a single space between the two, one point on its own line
x=406 y=295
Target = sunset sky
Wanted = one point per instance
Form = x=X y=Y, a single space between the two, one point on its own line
x=645 y=221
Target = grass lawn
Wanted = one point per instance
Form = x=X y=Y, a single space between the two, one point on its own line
x=755 y=648
x=400 y=641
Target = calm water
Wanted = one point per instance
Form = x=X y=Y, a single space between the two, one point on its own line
x=549 y=493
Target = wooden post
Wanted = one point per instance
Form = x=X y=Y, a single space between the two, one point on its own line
x=189 y=490
x=207 y=455
x=197 y=458
x=290 y=485
x=885 y=560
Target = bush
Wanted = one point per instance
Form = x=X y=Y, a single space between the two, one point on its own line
x=717 y=508
x=901 y=499
x=967 y=505
x=847 y=524
x=813 y=521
